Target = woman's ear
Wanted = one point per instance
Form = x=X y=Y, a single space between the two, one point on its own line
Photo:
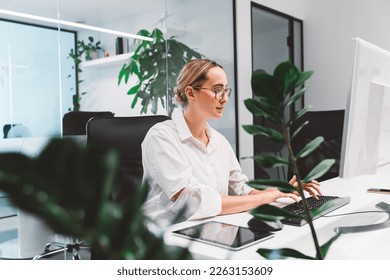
x=190 y=93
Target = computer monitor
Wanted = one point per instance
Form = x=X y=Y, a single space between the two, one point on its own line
x=362 y=122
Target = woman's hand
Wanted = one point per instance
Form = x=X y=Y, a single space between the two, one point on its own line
x=312 y=187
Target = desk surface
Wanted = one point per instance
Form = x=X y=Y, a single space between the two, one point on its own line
x=353 y=246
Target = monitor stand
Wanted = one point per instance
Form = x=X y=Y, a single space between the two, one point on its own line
x=353 y=229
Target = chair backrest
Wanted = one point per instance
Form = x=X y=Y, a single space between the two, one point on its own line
x=328 y=124
x=125 y=135
x=74 y=122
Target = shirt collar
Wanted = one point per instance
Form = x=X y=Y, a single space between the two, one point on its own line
x=182 y=127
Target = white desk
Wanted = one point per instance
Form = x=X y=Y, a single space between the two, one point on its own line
x=353 y=246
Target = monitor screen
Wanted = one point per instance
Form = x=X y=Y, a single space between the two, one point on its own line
x=362 y=122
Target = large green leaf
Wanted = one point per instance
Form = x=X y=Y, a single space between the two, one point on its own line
x=298 y=115
x=296 y=132
x=134 y=89
x=266 y=86
x=268 y=161
x=259 y=109
x=318 y=211
x=319 y=170
x=310 y=147
x=296 y=96
x=265 y=131
x=282 y=253
x=325 y=247
x=286 y=73
x=271 y=213
x=263 y=184
x=303 y=76
x=135 y=100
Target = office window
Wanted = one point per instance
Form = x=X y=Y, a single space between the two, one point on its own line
x=32 y=84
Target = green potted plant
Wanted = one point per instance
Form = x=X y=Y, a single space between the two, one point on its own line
x=272 y=95
x=90 y=50
x=70 y=188
x=156 y=64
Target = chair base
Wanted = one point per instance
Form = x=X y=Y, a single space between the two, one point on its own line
x=72 y=248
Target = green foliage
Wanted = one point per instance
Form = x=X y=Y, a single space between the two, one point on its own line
x=85 y=48
x=272 y=96
x=156 y=64
x=70 y=188
x=82 y=49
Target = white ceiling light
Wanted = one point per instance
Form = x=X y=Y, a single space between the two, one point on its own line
x=74 y=24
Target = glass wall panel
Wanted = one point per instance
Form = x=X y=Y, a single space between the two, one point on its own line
x=30 y=77
x=54 y=85
x=40 y=80
x=207 y=27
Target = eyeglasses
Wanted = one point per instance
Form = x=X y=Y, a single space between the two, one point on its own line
x=219 y=92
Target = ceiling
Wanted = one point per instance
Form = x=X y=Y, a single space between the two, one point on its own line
x=93 y=12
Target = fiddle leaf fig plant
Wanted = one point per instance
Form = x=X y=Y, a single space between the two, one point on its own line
x=70 y=188
x=156 y=64
x=272 y=95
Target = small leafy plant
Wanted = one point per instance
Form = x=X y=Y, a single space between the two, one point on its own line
x=273 y=94
x=89 y=50
x=156 y=64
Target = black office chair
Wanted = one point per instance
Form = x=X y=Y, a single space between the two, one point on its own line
x=74 y=122
x=125 y=135
x=328 y=124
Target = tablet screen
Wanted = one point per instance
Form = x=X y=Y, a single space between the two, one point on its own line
x=224 y=235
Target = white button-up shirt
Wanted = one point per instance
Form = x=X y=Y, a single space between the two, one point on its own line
x=173 y=159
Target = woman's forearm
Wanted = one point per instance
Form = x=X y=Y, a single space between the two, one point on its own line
x=236 y=204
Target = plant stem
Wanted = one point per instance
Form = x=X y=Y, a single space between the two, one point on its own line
x=294 y=167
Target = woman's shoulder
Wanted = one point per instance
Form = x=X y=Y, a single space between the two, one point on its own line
x=162 y=128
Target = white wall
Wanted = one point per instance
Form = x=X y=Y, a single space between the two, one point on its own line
x=329 y=27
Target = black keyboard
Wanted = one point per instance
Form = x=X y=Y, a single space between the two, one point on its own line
x=297 y=208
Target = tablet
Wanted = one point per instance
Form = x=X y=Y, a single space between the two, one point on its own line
x=224 y=235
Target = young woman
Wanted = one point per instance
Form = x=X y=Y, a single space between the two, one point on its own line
x=191 y=166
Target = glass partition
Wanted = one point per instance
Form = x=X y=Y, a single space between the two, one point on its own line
x=49 y=79
x=41 y=77
x=207 y=27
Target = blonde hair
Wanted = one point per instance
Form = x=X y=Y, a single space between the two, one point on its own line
x=194 y=74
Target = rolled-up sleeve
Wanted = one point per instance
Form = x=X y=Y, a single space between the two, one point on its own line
x=199 y=201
